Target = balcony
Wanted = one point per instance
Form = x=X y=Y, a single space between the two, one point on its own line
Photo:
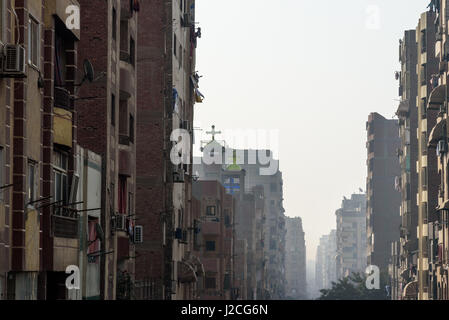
x=62 y=98
x=403 y=108
x=65 y=223
x=437 y=133
x=437 y=98
x=125 y=163
x=126 y=84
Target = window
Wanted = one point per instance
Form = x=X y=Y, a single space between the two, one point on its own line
x=2 y=174
x=114 y=24
x=424 y=178
x=423 y=108
x=113 y=109
x=273 y=187
x=31 y=182
x=174 y=44
x=122 y=194
x=3 y=20
x=34 y=41
x=210 y=245
x=423 y=41
x=60 y=166
x=423 y=72
x=132 y=52
x=131 y=128
x=180 y=218
x=123 y=118
x=124 y=36
x=211 y=211
x=210 y=283
x=227 y=221
x=130 y=204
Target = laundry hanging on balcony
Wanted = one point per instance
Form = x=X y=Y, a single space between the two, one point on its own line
x=136 y=5
x=175 y=101
x=199 y=97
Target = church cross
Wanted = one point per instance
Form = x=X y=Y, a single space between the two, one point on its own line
x=213 y=133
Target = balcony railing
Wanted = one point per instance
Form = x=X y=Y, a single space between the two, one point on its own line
x=65 y=223
x=62 y=98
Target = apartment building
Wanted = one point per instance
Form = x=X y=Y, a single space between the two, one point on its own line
x=331 y=258
x=167 y=86
x=241 y=269
x=274 y=219
x=427 y=197
x=320 y=264
x=239 y=178
x=351 y=236
x=250 y=212
x=437 y=102
x=405 y=250
x=245 y=229
x=106 y=125
x=49 y=201
x=7 y=98
x=38 y=229
x=295 y=262
x=217 y=242
x=383 y=200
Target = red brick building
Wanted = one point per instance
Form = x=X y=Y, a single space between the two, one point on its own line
x=37 y=143
x=217 y=240
x=166 y=95
x=107 y=116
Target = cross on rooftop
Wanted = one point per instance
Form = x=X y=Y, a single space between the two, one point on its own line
x=213 y=133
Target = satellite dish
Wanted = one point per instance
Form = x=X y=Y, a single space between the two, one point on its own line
x=397 y=75
x=89 y=73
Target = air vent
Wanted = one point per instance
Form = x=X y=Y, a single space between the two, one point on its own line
x=138 y=234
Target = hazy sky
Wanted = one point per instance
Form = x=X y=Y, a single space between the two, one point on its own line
x=312 y=69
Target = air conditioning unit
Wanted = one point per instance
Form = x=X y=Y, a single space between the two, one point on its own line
x=441 y=147
x=138 y=234
x=13 y=61
x=120 y=222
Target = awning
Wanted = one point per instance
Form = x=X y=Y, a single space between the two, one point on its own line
x=437 y=97
x=190 y=268
x=411 y=291
x=186 y=272
x=403 y=108
x=438 y=133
